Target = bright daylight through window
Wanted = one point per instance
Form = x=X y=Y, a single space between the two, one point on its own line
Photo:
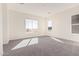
x=49 y=25
x=31 y=24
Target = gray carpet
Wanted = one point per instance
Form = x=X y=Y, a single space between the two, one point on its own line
x=46 y=46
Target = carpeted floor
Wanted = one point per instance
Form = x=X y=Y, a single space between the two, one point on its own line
x=41 y=46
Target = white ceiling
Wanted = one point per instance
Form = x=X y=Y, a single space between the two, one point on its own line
x=42 y=9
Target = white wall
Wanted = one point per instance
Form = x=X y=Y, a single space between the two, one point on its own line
x=62 y=24
x=1 y=35
x=5 y=26
x=16 y=25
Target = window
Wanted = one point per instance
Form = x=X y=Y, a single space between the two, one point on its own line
x=75 y=24
x=31 y=24
x=49 y=25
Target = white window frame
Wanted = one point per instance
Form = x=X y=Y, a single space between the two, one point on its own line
x=29 y=28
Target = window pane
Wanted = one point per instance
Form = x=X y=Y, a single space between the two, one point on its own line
x=31 y=24
x=49 y=23
x=28 y=24
x=35 y=24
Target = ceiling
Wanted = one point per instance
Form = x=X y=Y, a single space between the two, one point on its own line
x=41 y=9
